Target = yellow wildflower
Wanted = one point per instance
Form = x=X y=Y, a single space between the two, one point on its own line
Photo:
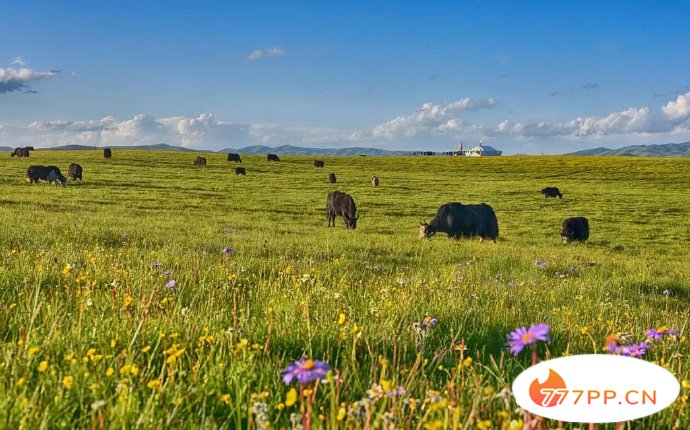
x=109 y=372
x=21 y=381
x=43 y=366
x=307 y=392
x=154 y=383
x=225 y=398
x=147 y=348
x=126 y=301
x=33 y=351
x=341 y=318
x=434 y=425
x=68 y=382
x=280 y=406
x=467 y=362
x=484 y=424
x=342 y=413
x=67 y=269
x=291 y=397
x=685 y=384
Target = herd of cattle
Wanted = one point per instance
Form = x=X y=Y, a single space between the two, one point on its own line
x=457 y=220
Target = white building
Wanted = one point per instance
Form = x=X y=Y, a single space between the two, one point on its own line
x=482 y=151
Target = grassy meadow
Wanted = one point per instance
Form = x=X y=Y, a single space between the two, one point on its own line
x=92 y=337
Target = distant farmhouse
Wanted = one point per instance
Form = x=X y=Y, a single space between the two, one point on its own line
x=478 y=151
x=482 y=151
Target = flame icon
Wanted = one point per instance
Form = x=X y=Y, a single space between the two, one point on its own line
x=551 y=393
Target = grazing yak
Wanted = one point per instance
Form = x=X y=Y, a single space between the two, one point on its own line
x=575 y=228
x=200 y=161
x=234 y=157
x=458 y=220
x=272 y=157
x=22 y=152
x=341 y=204
x=318 y=163
x=107 y=153
x=375 y=181
x=552 y=192
x=75 y=171
x=331 y=178
x=240 y=171
x=51 y=174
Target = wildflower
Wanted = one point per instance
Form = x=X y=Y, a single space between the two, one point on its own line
x=561 y=275
x=171 y=284
x=67 y=269
x=291 y=397
x=342 y=318
x=109 y=372
x=667 y=292
x=467 y=362
x=661 y=332
x=541 y=264
x=484 y=424
x=167 y=272
x=43 y=365
x=685 y=384
x=634 y=350
x=154 y=383
x=147 y=348
x=127 y=300
x=434 y=425
x=227 y=251
x=342 y=412
x=155 y=265
x=225 y=398
x=33 y=351
x=305 y=371
x=21 y=381
x=429 y=321
x=68 y=382
x=523 y=336
x=98 y=404
x=515 y=425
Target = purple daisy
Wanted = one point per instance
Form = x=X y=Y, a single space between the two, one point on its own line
x=634 y=349
x=305 y=371
x=167 y=272
x=660 y=333
x=541 y=264
x=523 y=336
x=227 y=251
x=429 y=321
x=154 y=265
x=171 y=284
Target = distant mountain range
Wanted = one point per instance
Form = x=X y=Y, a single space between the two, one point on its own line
x=662 y=150
x=156 y=147
x=296 y=150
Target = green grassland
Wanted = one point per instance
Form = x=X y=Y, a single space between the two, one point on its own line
x=92 y=338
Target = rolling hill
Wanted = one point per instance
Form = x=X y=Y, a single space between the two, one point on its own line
x=661 y=150
x=297 y=150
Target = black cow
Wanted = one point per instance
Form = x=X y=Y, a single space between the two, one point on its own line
x=375 y=181
x=200 y=161
x=318 y=163
x=551 y=192
x=458 y=220
x=272 y=157
x=331 y=178
x=575 y=228
x=75 y=171
x=107 y=153
x=51 y=174
x=240 y=171
x=22 y=152
x=234 y=157
x=341 y=204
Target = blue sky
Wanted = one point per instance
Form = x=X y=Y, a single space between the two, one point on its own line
x=526 y=77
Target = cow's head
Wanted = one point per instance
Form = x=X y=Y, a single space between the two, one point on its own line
x=351 y=223
x=426 y=230
x=568 y=235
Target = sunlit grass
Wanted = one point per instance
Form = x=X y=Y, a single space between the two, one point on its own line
x=93 y=338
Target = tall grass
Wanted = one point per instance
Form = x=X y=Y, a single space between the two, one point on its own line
x=78 y=291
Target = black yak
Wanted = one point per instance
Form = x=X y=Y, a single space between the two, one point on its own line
x=200 y=161
x=240 y=171
x=272 y=157
x=551 y=192
x=107 y=153
x=375 y=181
x=458 y=220
x=318 y=163
x=75 y=171
x=21 y=152
x=341 y=204
x=51 y=174
x=331 y=178
x=234 y=157
x=575 y=228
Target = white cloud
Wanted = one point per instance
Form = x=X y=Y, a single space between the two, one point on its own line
x=265 y=53
x=18 y=61
x=678 y=109
x=20 y=79
x=428 y=118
